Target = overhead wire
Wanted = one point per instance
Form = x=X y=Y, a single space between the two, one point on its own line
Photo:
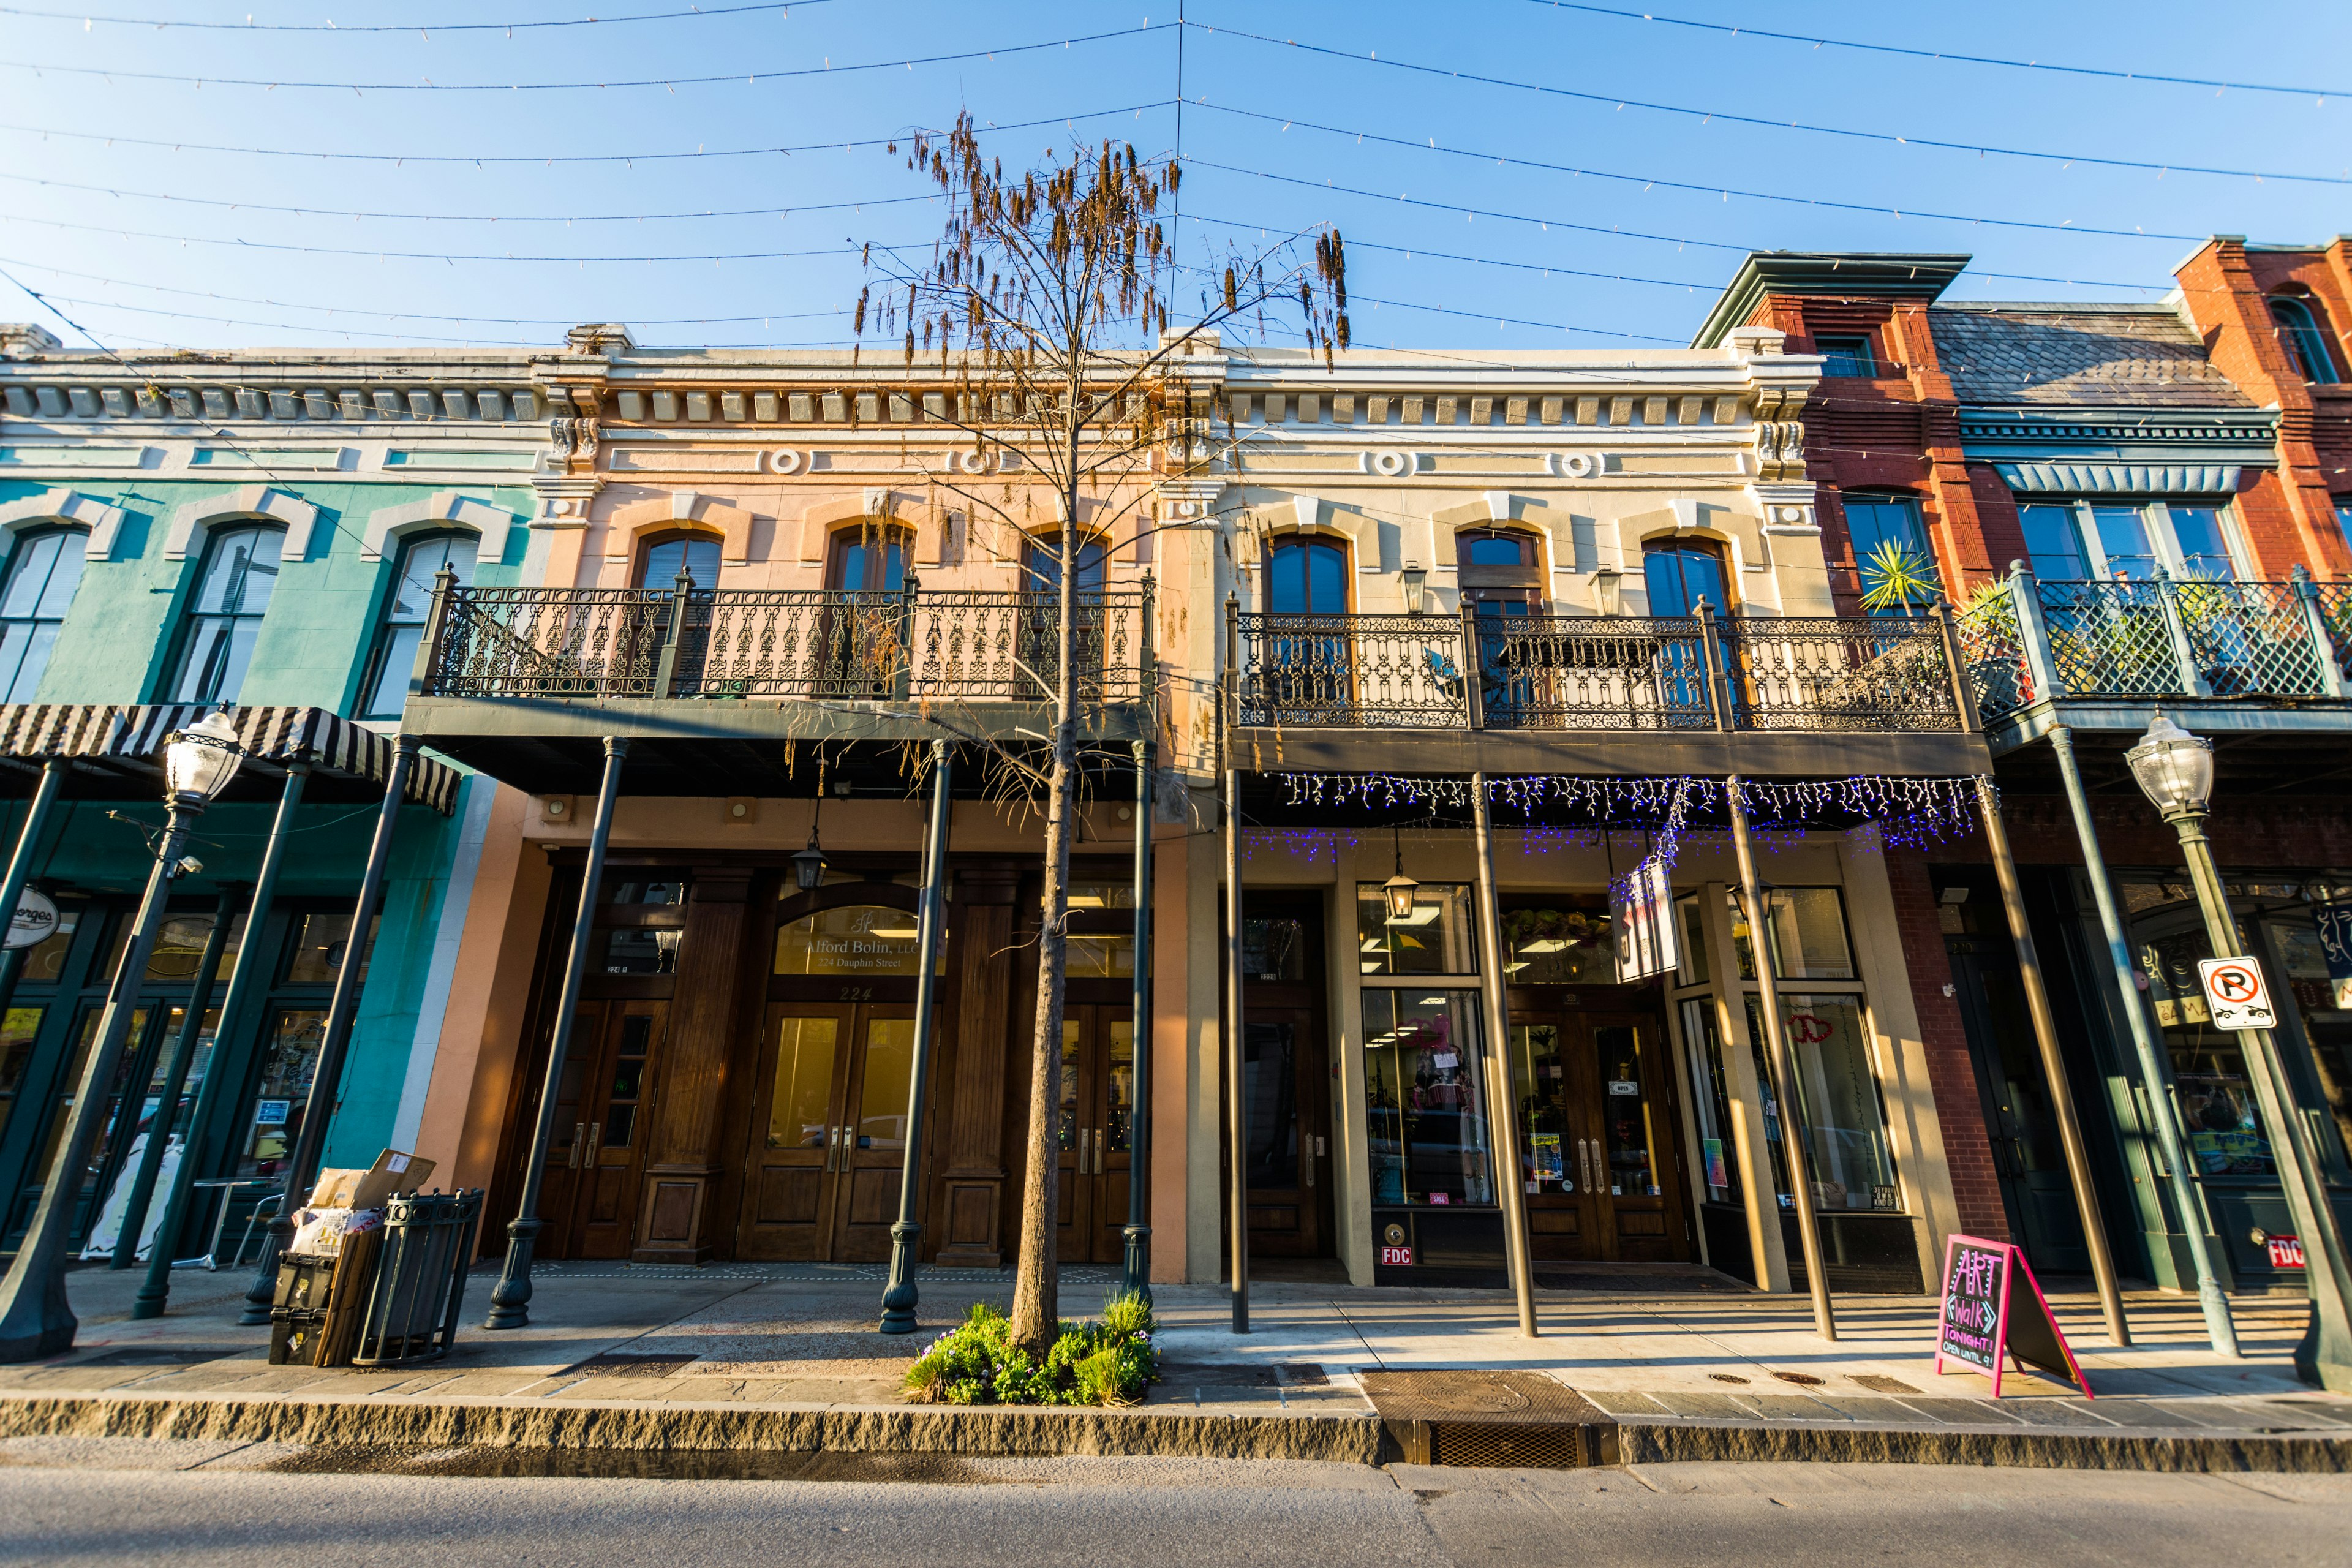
x=250 y=26
x=1887 y=138
x=752 y=76
x=1819 y=41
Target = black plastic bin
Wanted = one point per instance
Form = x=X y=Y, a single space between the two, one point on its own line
x=420 y=1279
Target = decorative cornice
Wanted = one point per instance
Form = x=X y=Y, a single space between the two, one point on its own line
x=1880 y=274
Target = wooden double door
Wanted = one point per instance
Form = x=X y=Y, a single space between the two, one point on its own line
x=1600 y=1136
x=1096 y=1133
x=828 y=1131
x=604 y=1114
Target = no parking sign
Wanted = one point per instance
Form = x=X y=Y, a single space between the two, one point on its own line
x=2235 y=990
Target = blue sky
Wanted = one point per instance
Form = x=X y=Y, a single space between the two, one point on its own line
x=1637 y=214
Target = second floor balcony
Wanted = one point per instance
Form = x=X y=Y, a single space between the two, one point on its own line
x=2104 y=653
x=1769 y=694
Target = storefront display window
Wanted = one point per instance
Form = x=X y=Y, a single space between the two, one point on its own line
x=1558 y=945
x=1425 y=1066
x=2226 y=1136
x=18 y=1027
x=45 y=960
x=1711 y=1106
x=1808 y=932
x=1434 y=939
x=2316 y=951
x=1838 y=1099
x=289 y=1055
x=318 y=953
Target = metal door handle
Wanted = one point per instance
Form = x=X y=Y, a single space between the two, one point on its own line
x=579 y=1136
x=832 y=1147
x=1309 y=1158
x=589 y=1159
x=1082 y=1151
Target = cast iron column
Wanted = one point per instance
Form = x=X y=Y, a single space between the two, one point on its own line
x=510 y=1299
x=2324 y=1356
x=1782 y=1062
x=327 y=1076
x=1135 y=1277
x=35 y=1321
x=1500 y=1092
x=899 y=1300
x=1237 y=1090
x=175 y=1078
x=252 y=971
x=28 y=837
x=2154 y=1066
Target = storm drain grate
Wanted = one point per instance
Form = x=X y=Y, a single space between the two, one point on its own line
x=617 y=1363
x=1491 y=1419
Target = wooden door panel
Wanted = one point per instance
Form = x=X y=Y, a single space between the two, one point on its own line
x=787 y=1196
x=1634 y=1131
x=617 y=1107
x=1282 y=1058
x=1073 y=1138
x=874 y=1147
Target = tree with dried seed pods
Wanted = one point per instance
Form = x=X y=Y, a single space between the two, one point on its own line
x=1052 y=301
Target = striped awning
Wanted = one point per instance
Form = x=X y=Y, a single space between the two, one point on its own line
x=134 y=732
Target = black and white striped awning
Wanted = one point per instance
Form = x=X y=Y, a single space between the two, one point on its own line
x=108 y=733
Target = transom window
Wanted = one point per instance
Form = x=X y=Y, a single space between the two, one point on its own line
x=2304 y=339
x=1846 y=354
x=2078 y=540
x=224 y=616
x=386 y=686
x=43 y=570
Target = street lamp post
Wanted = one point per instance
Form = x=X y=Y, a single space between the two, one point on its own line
x=35 y=1321
x=2175 y=770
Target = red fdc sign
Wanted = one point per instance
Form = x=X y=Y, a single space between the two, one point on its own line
x=2286 y=1252
x=1397 y=1257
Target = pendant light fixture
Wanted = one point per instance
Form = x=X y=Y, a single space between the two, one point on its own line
x=1400 y=888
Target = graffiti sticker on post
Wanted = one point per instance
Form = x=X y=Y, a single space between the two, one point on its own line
x=1993 y=1308
x=2235 y=990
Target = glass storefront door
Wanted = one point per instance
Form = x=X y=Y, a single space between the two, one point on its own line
x=1597 y=1123
x=828 y=1133
x=604 y=1112
x=1096 y=1135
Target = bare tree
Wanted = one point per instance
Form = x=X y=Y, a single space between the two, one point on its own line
x=1051 y=301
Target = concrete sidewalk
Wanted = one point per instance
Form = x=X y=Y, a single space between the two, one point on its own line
x=1673 y=1363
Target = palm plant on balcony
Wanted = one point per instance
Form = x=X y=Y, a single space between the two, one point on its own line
x=1897 y=578
x=1051 y=301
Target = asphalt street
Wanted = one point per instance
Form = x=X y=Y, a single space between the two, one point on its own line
x=122 y=1500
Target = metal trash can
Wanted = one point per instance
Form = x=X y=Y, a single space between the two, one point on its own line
x=420 y=1279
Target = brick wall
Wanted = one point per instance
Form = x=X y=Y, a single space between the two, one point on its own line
x=1951 y=1074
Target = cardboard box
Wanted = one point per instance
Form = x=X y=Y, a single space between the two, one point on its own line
x=393 y=1172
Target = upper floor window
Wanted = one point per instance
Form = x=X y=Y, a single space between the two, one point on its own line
x=1041 y=564
x=2304 y=339
x=1846 y=355
x=2344 y=517
x=1307 y=577
x=867 y=559
x=1891 y=554
x=696 y=554
x=43 y=572
x=2079 y=540
x=224 y=616
x=385 y=688
x=1679 y=575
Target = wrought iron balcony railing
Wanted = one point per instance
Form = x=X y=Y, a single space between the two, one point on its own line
x=912 y=645
x=2161 y=637
x=1593 y=672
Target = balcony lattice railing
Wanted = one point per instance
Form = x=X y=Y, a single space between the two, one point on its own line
x=1593 y=672
x=2031 y=640
x=912 y=645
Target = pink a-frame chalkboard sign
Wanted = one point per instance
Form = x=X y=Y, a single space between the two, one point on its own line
x=1993 y=1306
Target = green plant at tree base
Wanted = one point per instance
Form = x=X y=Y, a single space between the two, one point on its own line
x=976 y=1362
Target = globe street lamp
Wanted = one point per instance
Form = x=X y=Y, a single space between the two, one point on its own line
x=2175 y=770
x=35 y=1319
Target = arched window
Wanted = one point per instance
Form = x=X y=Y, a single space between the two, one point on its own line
x=1502 y=580
x=868 y=559
x=43 y=572
x=1041 y=564
x=224 y=616
x=383 y=690
x=2304 y=340
x=1679 y=573
x=696 y=554
x=1307 y=577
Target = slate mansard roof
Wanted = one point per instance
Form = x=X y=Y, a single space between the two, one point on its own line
x=2083 y=356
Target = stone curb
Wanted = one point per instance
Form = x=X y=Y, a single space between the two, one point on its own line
x=999 y=1432
x=993 y=1431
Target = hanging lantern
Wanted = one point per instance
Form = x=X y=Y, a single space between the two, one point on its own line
x=1400 y=888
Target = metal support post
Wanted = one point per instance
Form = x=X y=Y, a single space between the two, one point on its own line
x=899 y=1300
x=175 y=1078
x=1781 y=1061
x=2053 y=1069
x=28 y=837
x=1237 y=1090
x=1135 y=1277
x=1509 y=1179
x=36 y=1320
x=510 y=1297
x=343 y=1007
x=2324 y=1356
x=252 y=972
x=2154 y=1066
